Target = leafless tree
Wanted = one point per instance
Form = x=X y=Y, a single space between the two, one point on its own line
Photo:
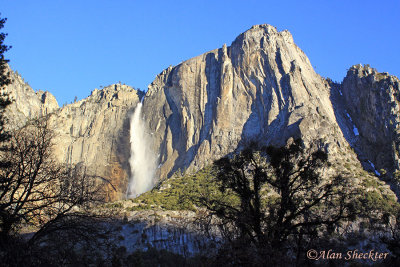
x=38 y=191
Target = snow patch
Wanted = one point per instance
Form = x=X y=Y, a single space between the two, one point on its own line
x=373 y=166
x=355 y=130
x=348 y=116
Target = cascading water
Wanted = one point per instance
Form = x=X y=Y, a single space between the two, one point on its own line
x=142 y=160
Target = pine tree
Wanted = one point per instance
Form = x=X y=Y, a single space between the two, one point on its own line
x=4 y=97
x=4 y=78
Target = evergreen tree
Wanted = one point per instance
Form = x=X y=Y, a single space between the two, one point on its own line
x=275 y=202
x=4 y=80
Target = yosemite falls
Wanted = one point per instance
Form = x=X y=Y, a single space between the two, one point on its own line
x=260 y=87
x=142 y=160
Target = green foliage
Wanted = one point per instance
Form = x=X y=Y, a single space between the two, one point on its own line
x=373 y=201
x=4 y=98
x=376 y=207
x=370 y=182
x=182 y=192
x=4 y=77
x=177 y=193
x=347 y=166
x=375 y=197
x=114 y=205
x=272 y=198
x=396 y=176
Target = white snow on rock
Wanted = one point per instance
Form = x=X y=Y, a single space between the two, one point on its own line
x=355 y=130
x=373 y=166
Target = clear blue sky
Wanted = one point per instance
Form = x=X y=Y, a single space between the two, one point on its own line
x=71 y=47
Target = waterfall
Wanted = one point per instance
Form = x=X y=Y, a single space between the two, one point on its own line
x=142 y=160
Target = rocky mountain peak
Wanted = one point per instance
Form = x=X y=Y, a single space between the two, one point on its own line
x=95 y=131
x=372 y=100
x=48 y=100
x=113 y=91
x=364 y=71
x=260 y=88
x=258 y=32
x=27 y=103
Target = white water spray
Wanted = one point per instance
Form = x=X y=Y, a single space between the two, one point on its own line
x=142 y=161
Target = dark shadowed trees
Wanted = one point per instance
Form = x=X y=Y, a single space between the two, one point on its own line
x=273 y=201
x=392 y=239
x=4 y=99
x=38 y=195
x=36 y=190
x=4 y=78
x=47 y=210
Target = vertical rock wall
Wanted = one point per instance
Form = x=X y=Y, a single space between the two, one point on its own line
x=373 y=101
x=262 y=87
x=95 y=132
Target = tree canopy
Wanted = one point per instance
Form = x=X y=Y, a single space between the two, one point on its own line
x=274 y=199
x=4 y=80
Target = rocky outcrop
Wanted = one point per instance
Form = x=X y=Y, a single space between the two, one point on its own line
x=95 y=132
x=262 y=87
x=372 y=100
x=174 y=231
x=27 y=103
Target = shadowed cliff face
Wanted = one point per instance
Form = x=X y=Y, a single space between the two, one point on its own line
x=372 y=99
x=262 y=87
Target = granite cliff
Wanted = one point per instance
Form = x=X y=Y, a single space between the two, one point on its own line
x=27 y=103
x=93 y=131
x=372 y=101
x=261 y=87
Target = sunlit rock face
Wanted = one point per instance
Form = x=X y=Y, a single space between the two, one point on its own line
x=26 y=103
x=262 y=87
x=95 y=132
